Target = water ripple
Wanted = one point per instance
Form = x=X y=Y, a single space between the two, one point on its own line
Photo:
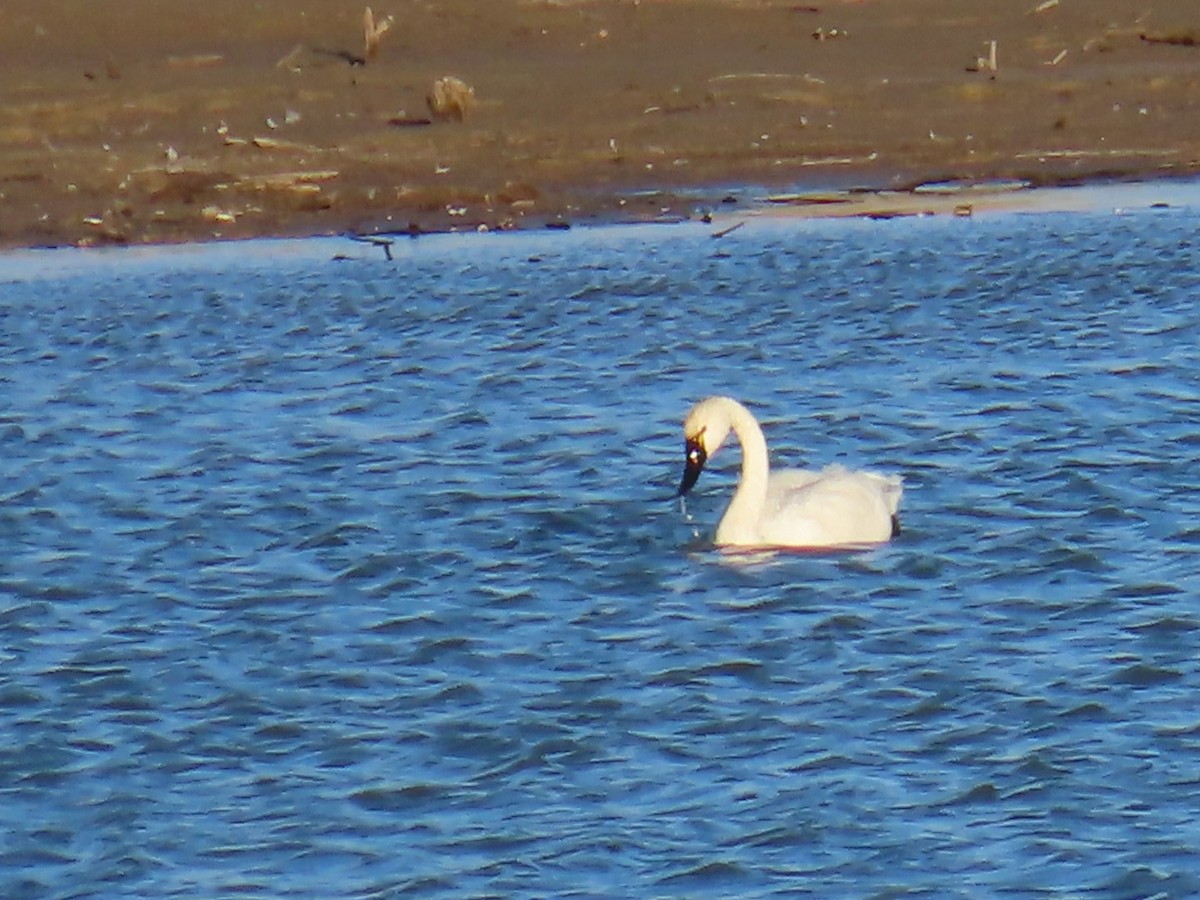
x=363 y=578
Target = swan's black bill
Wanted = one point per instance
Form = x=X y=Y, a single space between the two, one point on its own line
x=696 y=458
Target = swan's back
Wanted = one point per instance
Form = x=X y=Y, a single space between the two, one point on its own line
x=832 y=507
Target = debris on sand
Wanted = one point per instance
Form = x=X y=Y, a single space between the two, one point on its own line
x=373 y=33
x=823 y=34
x=404 y=120
x=267 y=143
x=986 y=63
x=449 y=99
x=1184 y=38
x=302 y=57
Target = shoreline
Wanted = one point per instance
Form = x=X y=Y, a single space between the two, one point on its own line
x=967 y=199
x=946 y=201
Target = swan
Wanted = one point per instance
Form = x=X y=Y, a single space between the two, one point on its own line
x=791 y=507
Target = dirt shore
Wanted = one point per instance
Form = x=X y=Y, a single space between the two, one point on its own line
x=135 y=121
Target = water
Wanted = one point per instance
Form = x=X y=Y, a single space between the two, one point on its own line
x=346 y=577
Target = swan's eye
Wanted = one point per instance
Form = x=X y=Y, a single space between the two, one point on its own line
x=695 y=456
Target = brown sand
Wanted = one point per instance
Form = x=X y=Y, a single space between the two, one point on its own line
x=144 y=120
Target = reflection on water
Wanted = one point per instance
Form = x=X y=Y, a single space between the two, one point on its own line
x=362 y=578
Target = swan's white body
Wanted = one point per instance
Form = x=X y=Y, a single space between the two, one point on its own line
x=792 y=507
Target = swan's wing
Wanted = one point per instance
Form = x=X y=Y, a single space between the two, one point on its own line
x=833 y=506
x=784 y=481
x=788 y=486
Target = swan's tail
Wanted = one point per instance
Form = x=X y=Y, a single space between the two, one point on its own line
x=891 y=488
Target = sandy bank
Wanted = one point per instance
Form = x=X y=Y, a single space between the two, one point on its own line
x=122 y=124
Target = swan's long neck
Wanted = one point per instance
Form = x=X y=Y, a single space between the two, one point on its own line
x=745 y=510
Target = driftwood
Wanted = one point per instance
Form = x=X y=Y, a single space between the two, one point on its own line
x=1178 y=38
x=375 y=241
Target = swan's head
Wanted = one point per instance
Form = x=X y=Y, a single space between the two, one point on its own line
x=704 y=430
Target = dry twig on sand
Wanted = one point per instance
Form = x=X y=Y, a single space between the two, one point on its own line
x=373 y=33
x=986 y=63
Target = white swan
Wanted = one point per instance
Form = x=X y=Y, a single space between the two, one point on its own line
x=792 y=507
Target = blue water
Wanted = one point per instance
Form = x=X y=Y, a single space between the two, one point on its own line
x=345 y=577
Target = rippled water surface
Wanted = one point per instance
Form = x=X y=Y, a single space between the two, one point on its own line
x=354 y=577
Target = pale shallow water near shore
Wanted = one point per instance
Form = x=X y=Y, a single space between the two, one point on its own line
x=985 y=199
x=348 y=577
